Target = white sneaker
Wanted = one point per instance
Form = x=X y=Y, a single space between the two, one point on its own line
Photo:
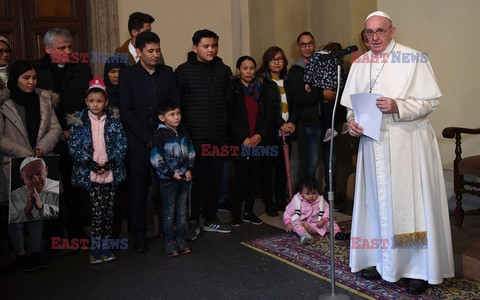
x=328 y=135
x=306 y=239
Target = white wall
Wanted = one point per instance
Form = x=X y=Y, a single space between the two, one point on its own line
x=449 y=32
x=176 y=21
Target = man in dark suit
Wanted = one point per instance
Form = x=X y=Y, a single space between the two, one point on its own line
x=141 y=88
x=137 y=23
x=56 y=73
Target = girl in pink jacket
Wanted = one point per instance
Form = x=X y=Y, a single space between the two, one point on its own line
x=308 y=213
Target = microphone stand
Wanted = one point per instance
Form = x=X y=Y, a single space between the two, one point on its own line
x=332 y=295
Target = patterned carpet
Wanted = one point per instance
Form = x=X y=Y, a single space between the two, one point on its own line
x=315 y=260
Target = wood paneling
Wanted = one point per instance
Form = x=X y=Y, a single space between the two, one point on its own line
x=24 y=23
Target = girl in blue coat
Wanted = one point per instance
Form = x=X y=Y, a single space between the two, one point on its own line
x=98 y=144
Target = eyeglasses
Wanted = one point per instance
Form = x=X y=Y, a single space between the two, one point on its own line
x=5 y=51
x=380 y=32
x=277 y=60
x=304 y=45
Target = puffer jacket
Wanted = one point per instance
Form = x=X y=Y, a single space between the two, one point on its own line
x=205 y=93
x=14 y=137
x=172 y=152
x=80 y=146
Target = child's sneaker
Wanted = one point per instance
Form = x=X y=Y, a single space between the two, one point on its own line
x=107 y=255
x=306 y=239
x=171 y=249
x=341 y=236
x=96 y=257
x=328 y=135
x=183 y=247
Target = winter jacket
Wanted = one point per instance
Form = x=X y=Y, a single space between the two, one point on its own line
x=71 y=86
x=172 y=152
x=14 y=137
x=308 y=213
x=80 y=146
x=206 y=95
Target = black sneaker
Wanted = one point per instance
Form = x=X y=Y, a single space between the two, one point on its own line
x=140 y=245
x=225 y=206
x=183 y=247
x=193 y=231
x=236 y=222
x=40 y=261
x=272 y=212
x=252 y=218
x=171 y=248
x=25 y=264
x=342 y=236
x=216 y=226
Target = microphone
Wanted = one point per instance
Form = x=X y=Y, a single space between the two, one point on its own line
x=345 y=51
x=324 y=55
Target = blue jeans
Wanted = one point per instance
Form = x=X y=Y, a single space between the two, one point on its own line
x=314 y=141
x=175 y=197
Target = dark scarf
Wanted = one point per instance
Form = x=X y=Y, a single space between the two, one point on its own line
x=253 y=88
x=31 y=103
x=112 y=90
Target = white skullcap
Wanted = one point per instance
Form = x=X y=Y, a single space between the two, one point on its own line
x=28 y=160
x=378 y=13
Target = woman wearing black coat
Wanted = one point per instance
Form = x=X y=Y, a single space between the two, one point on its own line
x=251 y=126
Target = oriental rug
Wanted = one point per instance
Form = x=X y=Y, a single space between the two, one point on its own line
x=315 y=259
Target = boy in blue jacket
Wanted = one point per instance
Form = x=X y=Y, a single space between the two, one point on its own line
x=173 y=157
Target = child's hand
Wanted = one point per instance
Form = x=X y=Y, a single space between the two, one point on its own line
x=188 y=176
x=320 y=223
x=308 y=88
x=289 y=227
x=178 y=176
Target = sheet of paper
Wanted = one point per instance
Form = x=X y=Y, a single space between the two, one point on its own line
x=367 y=113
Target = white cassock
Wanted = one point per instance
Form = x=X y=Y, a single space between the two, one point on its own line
x=400 y=193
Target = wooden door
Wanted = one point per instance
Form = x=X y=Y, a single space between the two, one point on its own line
x=25 y=22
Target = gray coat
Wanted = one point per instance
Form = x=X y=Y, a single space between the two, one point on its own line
x=14 y=137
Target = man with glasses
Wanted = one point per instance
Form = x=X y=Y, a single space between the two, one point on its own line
x=310 y=114
x=400 y=193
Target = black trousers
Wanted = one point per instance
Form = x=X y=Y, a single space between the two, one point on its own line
x=139 y=177
x=206 y=184
x=246 y=178
x=273 y=178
